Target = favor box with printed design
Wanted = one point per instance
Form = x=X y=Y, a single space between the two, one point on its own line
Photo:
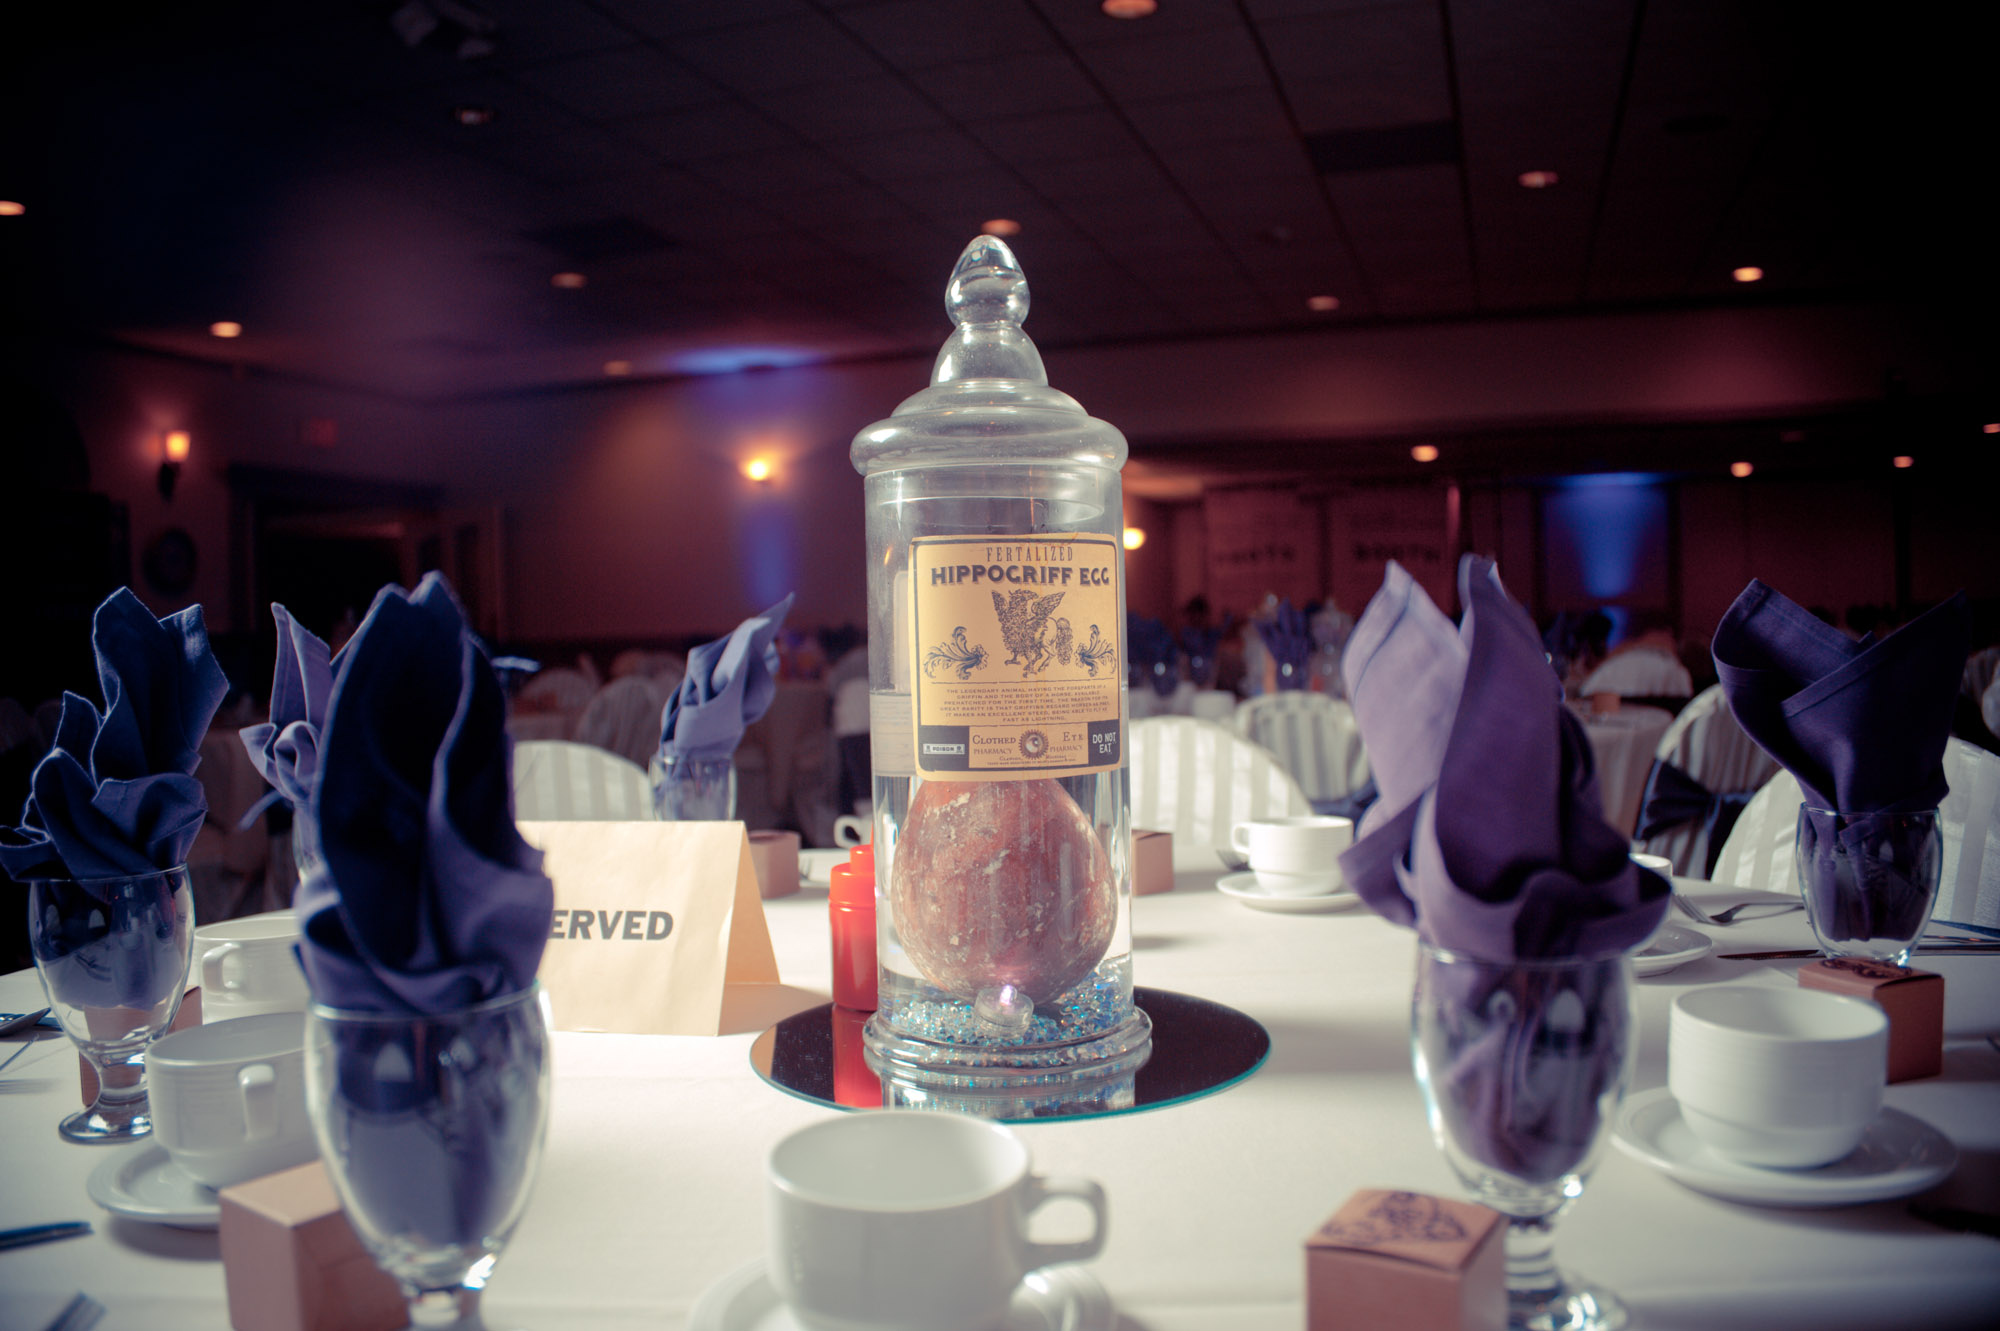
x=1152 y=862
x=1406 y=1261
x=291 y=1262
x=1913 y=1000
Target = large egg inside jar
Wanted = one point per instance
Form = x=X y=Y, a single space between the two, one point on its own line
x=1001 y=889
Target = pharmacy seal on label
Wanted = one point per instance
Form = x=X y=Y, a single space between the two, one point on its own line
x=1033 y=744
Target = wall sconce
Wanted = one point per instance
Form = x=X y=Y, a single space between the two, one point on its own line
x=758 y=470
x=1134 y=538
x=174 y=446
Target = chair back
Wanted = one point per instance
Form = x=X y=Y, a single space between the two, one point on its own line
x=557 y=781
x=1314 y=737
x=624 y=718
x=1758 y=853
x=1197 y=780
x=1706 y=742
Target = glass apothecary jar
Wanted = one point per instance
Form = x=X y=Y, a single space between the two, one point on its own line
x=996 y=605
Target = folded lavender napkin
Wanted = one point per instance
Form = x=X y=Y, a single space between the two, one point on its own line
x=1863 y=726
x=116 y=795
x=285 y=749
x=729 y=684
x=429 y=900
x=1488 y=836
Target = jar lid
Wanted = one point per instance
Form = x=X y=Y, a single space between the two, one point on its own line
x=862 y=858
x=850 y=888
x=989 y=398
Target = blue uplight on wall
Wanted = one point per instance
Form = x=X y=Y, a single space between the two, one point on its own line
x=1606 y=538
x=767 y=541
x=734 y=360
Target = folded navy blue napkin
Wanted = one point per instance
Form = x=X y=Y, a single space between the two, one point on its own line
x=729 y=684
x=429 y=901
x=1287 y=636
x=285 y=749
x=1155 y=660
x=1488 y=836
x=116 y=796
x=1863 y=726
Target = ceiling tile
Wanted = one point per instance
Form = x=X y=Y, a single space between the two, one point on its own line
x=679 y=18
x=917 y=34
x=1057 y=136
x=912 y=156
x=1177 y=62
x=1126 y=177
x=1084 y=22
x=857 y=107
x=1278 y=161
x=1021 y=85
x=764 y=57
x=628 y=82
x=781 y=172
x=1363 y=68
x=532 y=31
x=697 y=133
x=1228 y=116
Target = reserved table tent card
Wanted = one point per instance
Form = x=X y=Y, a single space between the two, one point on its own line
x=653 y=922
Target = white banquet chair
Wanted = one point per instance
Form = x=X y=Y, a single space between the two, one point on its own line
x=1315 y=738
x=557 y=781
x=1706 y=742
x=624 y=718
x=1197 y=780
x=1758 y=853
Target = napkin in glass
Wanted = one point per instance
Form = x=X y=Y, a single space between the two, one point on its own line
x=1154 y=657
x=729 y=684
x=285 y=749
x=116 y=796
x=1862 y=725
x=430 y=901
x=1489 y=839
x=1287 y=635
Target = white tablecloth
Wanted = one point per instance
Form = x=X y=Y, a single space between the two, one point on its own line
x=1623 y=743
x=651 y=1186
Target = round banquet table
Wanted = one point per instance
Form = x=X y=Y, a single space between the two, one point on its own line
x=1623 y=743
x=651 y=1188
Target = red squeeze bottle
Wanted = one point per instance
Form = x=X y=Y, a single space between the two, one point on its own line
x=851 y=911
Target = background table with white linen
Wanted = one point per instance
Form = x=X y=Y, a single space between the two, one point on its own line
x=1623 y=743
x=651 y=1187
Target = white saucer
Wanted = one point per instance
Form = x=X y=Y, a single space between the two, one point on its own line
x=1057 y=1298
x=1899 y=1156
x=143 y=1183
x=1669 y=948
x=816 y=866
x=1246 y=889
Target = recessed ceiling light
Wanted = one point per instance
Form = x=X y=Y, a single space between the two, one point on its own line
x=225 y=328
x=1748 y=273
x=616 y=368
x=1993 y=428
x=1322 y=303
x=9 y=208
x=1000 y=226
x=1536 y=179
x=1425 y=453
x=568 y=281
x=473 y=115
x=758 y=469
x=1129 y=8
x=1903 y=461
x=1740 y=469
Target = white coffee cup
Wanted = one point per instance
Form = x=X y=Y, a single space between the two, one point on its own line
x=910 y=1220
x=1664 y=867
x=849 y=830
x=229 y=1098
x=1295 y=857
x=248 y=969
x=1782 y=1078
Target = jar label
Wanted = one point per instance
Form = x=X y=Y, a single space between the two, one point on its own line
x=1015 y=654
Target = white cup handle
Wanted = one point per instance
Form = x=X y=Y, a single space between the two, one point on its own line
x=1091 y=1194
x=211 y=967
x=258 y=1084
x=850 y=831
x=1239 y=838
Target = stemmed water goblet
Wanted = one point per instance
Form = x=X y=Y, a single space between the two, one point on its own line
x=1869 y=880
x=431 y=1128
x=1522 y=1065
x=113 y=955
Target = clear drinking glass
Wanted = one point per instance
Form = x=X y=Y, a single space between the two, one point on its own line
x=113 y=954
x=1869 y=879
x=431 y=1128
x=1522 y=1065
x=694 y=789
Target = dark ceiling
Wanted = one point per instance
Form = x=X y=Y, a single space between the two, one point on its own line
x=768 y=181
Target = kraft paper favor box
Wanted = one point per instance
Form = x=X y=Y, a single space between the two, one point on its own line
x=1152 y=862
x=1405 y=1261
x=291 y=1261
x=1914 y=1001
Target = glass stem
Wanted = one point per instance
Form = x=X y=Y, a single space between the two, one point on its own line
x=1531 y=1260
x=453 y=1309
x=121 y=1085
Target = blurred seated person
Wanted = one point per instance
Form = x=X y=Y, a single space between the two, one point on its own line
x=1646 y=665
